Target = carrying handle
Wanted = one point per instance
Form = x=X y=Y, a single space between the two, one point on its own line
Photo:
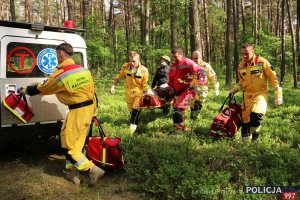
x=97 y=123
x=25 y=100
x=20 y=96
x=230 y=97
x=90 y=133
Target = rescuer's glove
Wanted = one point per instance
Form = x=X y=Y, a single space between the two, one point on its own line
x=217 y=93
x=21 y=90
x=278 y=96
x=149 y=91
x=112 y=89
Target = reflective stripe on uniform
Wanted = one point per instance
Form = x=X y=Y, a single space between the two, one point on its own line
x=104 y=157
x=69 y=165
x=75 y=79
x=68 y=73
x=81 y=163
x=243 y=71
x=255 y=69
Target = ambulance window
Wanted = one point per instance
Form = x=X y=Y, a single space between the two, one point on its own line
x=25 y=60
x=77 y=57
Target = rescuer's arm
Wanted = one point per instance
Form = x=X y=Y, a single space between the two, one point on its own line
x=120 y=75
x=278 y=97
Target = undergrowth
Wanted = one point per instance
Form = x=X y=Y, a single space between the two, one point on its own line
x=191 y=165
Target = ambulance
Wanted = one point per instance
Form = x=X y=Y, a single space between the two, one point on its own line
x=28 y=56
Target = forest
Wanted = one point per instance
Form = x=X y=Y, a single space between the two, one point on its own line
x=153 y=27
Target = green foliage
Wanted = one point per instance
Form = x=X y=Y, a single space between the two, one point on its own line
x=97 y=53
x=190 y=165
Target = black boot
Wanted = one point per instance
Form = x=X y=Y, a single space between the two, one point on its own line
x=134 y=116
x=246 y=135
x=134 y=120
x=255 y=136
x=195 y=110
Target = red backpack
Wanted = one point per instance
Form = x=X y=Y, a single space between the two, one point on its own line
x=105 y=152
x=228 y=121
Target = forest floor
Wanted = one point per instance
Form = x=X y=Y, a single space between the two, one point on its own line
x=161 y=163
x=38 y=174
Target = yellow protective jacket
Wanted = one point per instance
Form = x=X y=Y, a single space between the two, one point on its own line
x=70 y=87
x=211 y=74
x=253 y=80
x=72 y=84
x=136 y=83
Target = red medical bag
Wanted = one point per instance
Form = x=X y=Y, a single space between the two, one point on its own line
x=228 y=121
x=18 y=105
x=105 y=152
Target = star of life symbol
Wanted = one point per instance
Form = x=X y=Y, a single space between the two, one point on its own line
x=47 y=60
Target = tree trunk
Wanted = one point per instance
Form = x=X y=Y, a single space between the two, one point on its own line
x=186 y=19
x=1 y=6
x=173 y=24
x=277 y=19
x=293 y=44
x=142 y=20
x=27 y=10
x=259 y=21
x=81 y=10
x=57 y=13
x=84 y=13
x=12 y=10
x=243 y=18
x=46 y=11
x=298 y=36
x=92 y=7
x=112 y=29
x=70 y=9
x=74 y=8
x=147 y=22
x=111 y=14
x=194 y=25
x=207 y=42
x=126 y=15
x=235 y=35
x=270 y=16
x=8 y=10
x=282 y=69
x=227 y=47
x=255 y=22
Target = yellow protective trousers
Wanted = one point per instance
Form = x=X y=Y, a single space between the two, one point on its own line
x=73 y=135
x=133 y=97
x=256 y=103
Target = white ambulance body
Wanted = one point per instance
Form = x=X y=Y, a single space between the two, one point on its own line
x=27 y=56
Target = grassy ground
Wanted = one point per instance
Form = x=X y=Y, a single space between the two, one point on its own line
x=163 y=164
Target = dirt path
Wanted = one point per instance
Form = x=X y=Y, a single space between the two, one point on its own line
x=26 y=174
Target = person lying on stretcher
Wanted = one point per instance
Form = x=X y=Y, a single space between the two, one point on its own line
x=160 y=98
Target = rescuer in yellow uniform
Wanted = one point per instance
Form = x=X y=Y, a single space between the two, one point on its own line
x=212 y=76
x=254 y=72
x=73 y=86
x=136 y=80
